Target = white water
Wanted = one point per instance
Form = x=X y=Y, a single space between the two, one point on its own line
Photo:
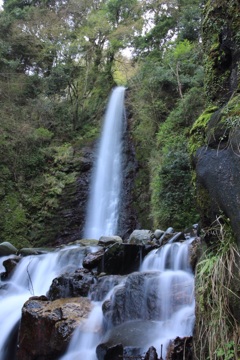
x=176 y=285
x=32 y=276
x=174 y=279
x=102 y=212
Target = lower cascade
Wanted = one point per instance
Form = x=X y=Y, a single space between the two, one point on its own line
x=128 y=313
x=147 y=308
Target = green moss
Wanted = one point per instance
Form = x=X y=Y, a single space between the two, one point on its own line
x=198 y=130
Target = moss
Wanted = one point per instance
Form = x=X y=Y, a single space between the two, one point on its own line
x=198 y=130
x=221 y=45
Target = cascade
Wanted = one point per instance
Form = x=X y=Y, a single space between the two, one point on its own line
x=168 y=279
x=105 y=189
x=28 y=279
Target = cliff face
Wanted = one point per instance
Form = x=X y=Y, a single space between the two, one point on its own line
x=215 y=146
x=215 y=135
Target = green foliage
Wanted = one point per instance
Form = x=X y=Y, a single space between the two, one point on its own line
x=217 y=289
x=14 y=224
x=198 y=131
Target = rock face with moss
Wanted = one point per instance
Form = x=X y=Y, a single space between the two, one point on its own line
x=215 y=147
x=214 y=140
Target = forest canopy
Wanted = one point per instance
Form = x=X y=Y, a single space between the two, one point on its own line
x=58 y=62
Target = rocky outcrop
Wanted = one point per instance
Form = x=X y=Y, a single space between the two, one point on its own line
x=215 y=135
x=140 y=237
x=129 y=303
x=123 y=258
x=71 y=285
x=7 y=249
x=10 y=265
x=180 y=348
x=46 y=326
x=70 y=217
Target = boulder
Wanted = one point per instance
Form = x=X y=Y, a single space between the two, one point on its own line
x=114 y=352
x=103 y=285
x=47 y=326
x=71 y=285
x=140 y=237
x=32 y=251
x=158 y=233
x=109 y=240
x=92 y=260
x=218 y=174
x=180 y=348
x=128 y=301
x=134 y=337
x=123 y=258
x=10 y=265
x=151 y=354
x=6 y=248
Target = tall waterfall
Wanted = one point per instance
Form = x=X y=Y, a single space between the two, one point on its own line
x=103 y=207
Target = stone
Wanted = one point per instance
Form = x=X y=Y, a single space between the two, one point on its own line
x=93 y=259
x=103 y=284
x=10 y=265
x=121 y=259
x=218 y=173
x=129 y=302
x=151 y=354
x=47 y=326
x=71 y=285
x=180 y=348
x=114 y=352
x=6 y=248
x=140 y=237
x=32 y=251
x=109 y=240
x=158 y=233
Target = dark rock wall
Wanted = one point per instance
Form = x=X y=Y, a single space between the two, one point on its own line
x=217 y=160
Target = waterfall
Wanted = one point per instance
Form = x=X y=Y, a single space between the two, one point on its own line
x=105 y=189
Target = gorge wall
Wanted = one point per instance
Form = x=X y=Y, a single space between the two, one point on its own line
x=215 y=146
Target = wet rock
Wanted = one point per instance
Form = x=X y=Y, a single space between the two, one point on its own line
x=180 y=348
x=134 y=336
x=140 y=237
x=158 y=233
x=166 y=236
x=151 y=354
x=103 y=285
x=46 y=327
x=195 y=252
x=71 y=285
x=123 y=258
x=6 y=248
x=129 y=303
x=109 y=240
x=85 y=242
x=176 y=237
x=114 y=352
x=10 y=265
x=92 y=260
x=32 y=251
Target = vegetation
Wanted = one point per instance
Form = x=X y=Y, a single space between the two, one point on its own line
x=59 y=61
x=217 y=293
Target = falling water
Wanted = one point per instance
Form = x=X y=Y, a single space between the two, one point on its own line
x=169 y=279
x=102 y=212
x=29 y=278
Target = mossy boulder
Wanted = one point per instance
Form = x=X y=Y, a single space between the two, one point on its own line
x=7 y=248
